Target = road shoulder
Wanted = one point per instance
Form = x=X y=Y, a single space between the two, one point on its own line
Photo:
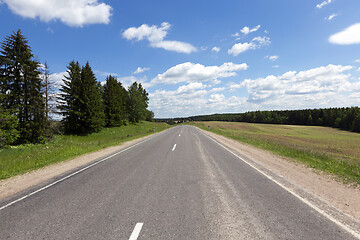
x=322 y=186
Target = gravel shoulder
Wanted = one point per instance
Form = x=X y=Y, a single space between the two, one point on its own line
x=343 y=197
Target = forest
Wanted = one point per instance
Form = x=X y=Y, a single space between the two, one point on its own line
x=29 y=98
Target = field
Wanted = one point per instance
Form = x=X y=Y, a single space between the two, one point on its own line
x=327 y=149
x=24 y=158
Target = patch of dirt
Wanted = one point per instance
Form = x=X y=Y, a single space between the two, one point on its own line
x=345 y=198
x=18 y=183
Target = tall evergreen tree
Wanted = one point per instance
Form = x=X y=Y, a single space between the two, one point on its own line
x=92 y=105
x=81 y=101
x=115 y=102
x=137 y=102
x=69 y=98
x=21 y=87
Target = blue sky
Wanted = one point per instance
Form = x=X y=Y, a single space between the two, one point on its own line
x=204 y=56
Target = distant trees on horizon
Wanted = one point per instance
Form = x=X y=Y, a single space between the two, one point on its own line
x=26 y=97
x=343 y=118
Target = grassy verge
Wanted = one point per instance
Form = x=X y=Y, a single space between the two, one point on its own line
x=326 y=149
x=24 y=158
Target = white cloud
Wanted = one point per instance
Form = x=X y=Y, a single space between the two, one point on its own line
x=272 y=58
x=215 y=49
x=175 y=46
x=331 y=17
x=141 y=70
x=255 y=43
x=155 y=35
x=326 y=86
x=307 y=84
x=326 y=2
x=357 y=60
x=240 y=48
x=152 y=33
x=350 y=35
x=216 y=98
x=276 y=66
x=75 y=13
x=127 y=81
x=191 y=72
x=247 y=30
x=233 y=86
x=57 y=78
x=192 y=99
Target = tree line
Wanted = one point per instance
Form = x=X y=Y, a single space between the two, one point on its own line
x=86 y=106
x=343 y=118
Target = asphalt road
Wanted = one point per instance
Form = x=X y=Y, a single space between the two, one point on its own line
x=158 y=190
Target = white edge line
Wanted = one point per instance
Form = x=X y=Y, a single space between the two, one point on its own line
x=326 y=215
x=174 y=147
x=74 y=173
x=136 y=231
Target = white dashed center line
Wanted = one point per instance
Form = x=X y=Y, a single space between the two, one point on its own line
x=174 y=147
x=136 y=231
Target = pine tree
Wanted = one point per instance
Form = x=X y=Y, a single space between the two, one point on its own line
x=22 y=88
x=115 y=102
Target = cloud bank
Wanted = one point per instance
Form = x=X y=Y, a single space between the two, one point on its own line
x=190 y=72
x=74 y=13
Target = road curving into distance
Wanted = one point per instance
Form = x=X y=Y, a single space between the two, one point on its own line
x=180 y=184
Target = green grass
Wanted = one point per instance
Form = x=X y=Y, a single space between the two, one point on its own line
x=326 y=149
x=24 y=158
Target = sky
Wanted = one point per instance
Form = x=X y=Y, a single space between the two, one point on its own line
x=204 y=56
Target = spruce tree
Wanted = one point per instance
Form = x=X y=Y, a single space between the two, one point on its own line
x=115 y=102
x=81 y=101
x=21 y=87
x=93 y=110
x=137 y=102
x=69 y=99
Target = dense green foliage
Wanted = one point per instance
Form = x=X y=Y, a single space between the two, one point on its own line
x=21 y=91
x=27 y=98
x=343 y=118
x=81 y=101
x=137 y=103
x=87 y=107
x=115 y=97
x=8 y=128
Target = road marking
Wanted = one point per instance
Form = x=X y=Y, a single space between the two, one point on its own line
x=136 y=231
x=174 y=147
x=179 y=135
x=75 y=173
x=345 y=227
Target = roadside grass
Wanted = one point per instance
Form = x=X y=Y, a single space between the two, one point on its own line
x=326 y=149
x=24 y=158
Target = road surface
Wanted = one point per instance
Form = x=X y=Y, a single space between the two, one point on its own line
x=179 y=184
